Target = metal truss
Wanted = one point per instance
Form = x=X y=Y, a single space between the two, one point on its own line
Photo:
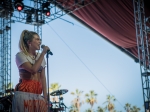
x=58 y=8
x=5 y=52
x=32 y=14
x=34 y=10
x=143 y=44
x=38 y=17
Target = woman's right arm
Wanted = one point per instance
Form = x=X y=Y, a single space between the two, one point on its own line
x=33 y=68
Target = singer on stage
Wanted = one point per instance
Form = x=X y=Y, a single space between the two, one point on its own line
x=32 y=82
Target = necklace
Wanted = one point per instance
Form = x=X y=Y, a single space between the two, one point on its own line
x=33 y=57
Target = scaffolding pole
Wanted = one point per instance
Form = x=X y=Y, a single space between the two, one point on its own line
x=5 y=52
x=143 y=50
x=38 y=18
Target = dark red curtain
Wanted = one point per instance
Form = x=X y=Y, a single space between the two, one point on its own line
x=114 y=19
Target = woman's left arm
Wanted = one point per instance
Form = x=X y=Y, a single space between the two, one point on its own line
x=43 y=81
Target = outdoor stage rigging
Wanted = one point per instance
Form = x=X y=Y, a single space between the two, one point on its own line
x=32 y=12
x=40 y=12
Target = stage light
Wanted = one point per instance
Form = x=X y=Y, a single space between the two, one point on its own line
x=29 y=18
x=46 y=9
x=47 y=12
x=19 y=8
x=19 y=5
x=7 y=28
x=45 y=5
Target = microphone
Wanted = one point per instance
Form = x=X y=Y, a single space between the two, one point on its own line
x=48 y=51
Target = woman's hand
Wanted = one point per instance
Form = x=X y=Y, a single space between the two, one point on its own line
x=45 y=49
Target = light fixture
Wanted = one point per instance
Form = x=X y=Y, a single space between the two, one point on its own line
x=46 y=9
x=7 y=28
x=29 y=18
x=19 y=5
x=29 y=13
x=47 y=12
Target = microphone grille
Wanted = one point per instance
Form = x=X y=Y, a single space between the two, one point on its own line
x=42 y=46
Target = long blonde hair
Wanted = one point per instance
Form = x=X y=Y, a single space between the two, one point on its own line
x=24 y=38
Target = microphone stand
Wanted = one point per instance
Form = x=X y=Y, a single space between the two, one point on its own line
x=47 y=56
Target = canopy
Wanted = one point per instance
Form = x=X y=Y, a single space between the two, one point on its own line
x=114 y=20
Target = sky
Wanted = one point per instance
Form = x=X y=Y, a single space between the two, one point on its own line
x=83 y=60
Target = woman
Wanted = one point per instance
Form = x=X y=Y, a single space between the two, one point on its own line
x=31 y=65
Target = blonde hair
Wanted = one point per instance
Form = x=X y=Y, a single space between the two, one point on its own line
x=24 y=38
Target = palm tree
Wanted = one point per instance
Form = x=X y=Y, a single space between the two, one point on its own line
x=135 y=109
x=91 y=98
x=54 y=87
x=9 y=86
x=127 y=107
x=110 y=105
x=100 y=109
x=76 y=102
x=73 y=109
x=88 y=110
x=8 y=89
x=77 y=93
x=116 y=111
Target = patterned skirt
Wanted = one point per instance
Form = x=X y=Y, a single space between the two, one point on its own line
x=31 y=86
x=27 y=97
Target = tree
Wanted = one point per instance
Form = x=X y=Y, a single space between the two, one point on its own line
x=9 y=86
x=73 y=109
x=110 y=105
x=127 y=107
x=88 y=110
x=135 y=109
x=100 y=109
x=8 y=89
x=116 y=111
x=91 y=98
x=76 y=102
x=77 y=93
x=54 y=87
